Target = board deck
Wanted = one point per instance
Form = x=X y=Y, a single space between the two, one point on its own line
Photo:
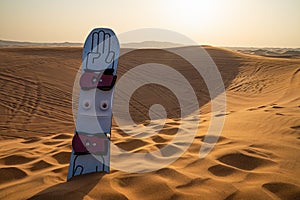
x=91 y=141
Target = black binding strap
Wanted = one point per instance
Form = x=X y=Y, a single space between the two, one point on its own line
x=107 y=84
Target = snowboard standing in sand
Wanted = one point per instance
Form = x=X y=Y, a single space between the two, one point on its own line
x=91 y=141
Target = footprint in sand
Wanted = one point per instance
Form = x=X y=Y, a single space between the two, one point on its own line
x=196 y=182
x=170 y=151
x=224 y=114
x=173 y=123
x=221 y=170
x=158 y=139
x=296 y=127
x=31 y=140
x=257 y=108
x=15 y=160
x=211 y=139
x=243 y=162
x=11 y=174
x=172 y=174
x=131 y=144
x=62 y=137
x=40 y=165
x=169 y=131
x=62 y=157
x=276 y=107
x=283 y=190
x=51 y=143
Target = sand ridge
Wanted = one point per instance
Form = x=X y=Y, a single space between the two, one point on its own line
x=256 y=157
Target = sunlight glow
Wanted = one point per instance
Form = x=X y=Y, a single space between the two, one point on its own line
x=214 y=22
x=194 y=14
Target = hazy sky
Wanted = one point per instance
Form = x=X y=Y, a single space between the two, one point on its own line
x=269 y=23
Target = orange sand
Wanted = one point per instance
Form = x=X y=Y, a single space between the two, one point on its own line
x=256 y=157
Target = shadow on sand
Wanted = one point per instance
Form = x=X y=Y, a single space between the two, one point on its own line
x=76 y=188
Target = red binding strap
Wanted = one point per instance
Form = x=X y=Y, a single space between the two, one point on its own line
x=90 y=144
x=91 y=80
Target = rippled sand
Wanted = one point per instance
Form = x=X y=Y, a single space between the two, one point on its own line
x=256 y=157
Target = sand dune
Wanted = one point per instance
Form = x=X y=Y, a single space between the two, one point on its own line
x=256 y=157
x=269 y=52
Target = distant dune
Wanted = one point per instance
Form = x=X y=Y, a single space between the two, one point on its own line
x=136 y=45
x=151 y=44
x=256 y=157
x=6 y=43
x=270 y=52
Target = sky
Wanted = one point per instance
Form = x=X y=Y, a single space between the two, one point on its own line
x=243 y=23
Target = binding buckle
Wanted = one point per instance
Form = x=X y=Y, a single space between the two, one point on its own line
x=104 y=81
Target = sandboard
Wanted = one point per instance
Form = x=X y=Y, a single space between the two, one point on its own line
x=91 y=140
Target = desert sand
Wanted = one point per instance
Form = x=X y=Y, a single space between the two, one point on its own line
x=256 y=157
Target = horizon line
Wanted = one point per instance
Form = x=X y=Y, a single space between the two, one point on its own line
x=175 y=43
